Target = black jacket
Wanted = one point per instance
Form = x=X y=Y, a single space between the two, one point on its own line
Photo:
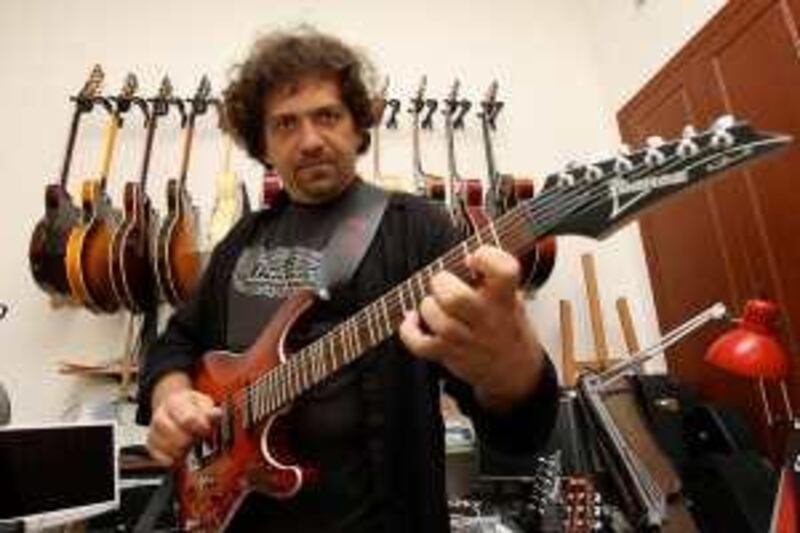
x=402 y=390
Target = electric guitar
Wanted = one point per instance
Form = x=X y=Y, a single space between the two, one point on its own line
x=505 y=191
x=88 y=257
x=131 y=260
x=428 y=185
x=177 y=252
x=249 y=448
x=231 y=202
x=49 y=239
x=392 y=183
x=465 y=196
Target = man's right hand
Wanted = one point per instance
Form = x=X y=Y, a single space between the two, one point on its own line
x=181 y=415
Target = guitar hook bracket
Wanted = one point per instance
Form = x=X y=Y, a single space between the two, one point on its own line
x=433 y=105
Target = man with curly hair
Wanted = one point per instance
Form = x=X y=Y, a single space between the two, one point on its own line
x=300 y=105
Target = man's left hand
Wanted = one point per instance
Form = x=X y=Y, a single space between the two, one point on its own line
x=481 y=334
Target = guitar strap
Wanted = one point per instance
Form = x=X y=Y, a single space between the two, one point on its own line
x=362 y=212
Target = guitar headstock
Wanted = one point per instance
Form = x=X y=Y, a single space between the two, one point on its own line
x=91 y=88
x=160 y=104
x=418 y=101
x=594 y=199
x=452 y=98
x=127 y=96
x=200 y=100
x=379 y=102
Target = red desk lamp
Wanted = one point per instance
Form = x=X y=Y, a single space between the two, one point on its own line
x=752 y=350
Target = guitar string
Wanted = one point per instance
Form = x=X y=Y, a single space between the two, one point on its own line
x=512 y=225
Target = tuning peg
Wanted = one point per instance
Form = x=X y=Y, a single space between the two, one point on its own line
x=654 y=157
x=723 y=123
x=687 y=147
x=594 y=173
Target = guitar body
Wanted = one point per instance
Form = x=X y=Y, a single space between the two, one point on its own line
x=48 y=245
x=177 y=258
x=88 y=257
x=211 y=487
x=132 y=273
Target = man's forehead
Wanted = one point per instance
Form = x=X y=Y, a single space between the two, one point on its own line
x=308 y=91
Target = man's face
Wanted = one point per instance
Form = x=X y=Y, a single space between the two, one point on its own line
x=311 y=138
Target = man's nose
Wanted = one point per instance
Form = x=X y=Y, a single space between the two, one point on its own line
x=310 y=137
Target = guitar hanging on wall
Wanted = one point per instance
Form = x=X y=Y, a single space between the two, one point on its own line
x=428 y=185
x=49 y=239
x=390 y=182
x=248 y=449
x=506 y=191
x=231 y=202
x=177 y=251
x=132 y=273
x=465 y=195
x=88 y=258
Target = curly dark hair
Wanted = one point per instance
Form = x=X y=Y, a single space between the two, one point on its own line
x=282 y=57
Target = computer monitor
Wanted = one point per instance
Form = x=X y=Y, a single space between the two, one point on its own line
x=56 y=474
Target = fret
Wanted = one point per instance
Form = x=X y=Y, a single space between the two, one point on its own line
x=331 y=355
x=368 y=312
x=421 y=286
x=465 y=248
x=246 y=411
x=399 y=290
x=315 y=362
x=267 y=400
x=283 y=397
x=386 y=320
x=440 y=264
x=357 y=332
x=493 y=232
x=303 y=373
x=343 y=343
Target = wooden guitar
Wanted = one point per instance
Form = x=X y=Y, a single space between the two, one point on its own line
x=88 y=258
x=231 y=202
x=465 y=196
x=49 y=239
x=177 y=253
x=132 y=274
x=428 y=185
x=506 y=191
x=249 y=449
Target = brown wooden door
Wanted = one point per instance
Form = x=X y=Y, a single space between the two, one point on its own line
x=739 y=237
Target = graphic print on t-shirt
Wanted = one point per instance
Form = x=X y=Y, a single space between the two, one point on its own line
x=278 y=272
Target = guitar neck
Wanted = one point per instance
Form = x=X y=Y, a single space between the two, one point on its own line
x=109 y=141
x=187 y=150
x=148 y=149
x=491 y=167
x=73 y=134
x=419 y=174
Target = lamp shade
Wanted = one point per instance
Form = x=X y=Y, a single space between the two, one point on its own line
x=751 y=350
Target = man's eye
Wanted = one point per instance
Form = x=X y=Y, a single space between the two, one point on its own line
x=328 y=116
x=284 y=123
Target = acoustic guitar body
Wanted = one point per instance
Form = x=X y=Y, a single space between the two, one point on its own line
x=178 y=261
x=216 y=477
x=48 y=245
x=132 y=272
x=88 y=255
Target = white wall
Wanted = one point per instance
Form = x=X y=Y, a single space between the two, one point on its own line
x=544 y=53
